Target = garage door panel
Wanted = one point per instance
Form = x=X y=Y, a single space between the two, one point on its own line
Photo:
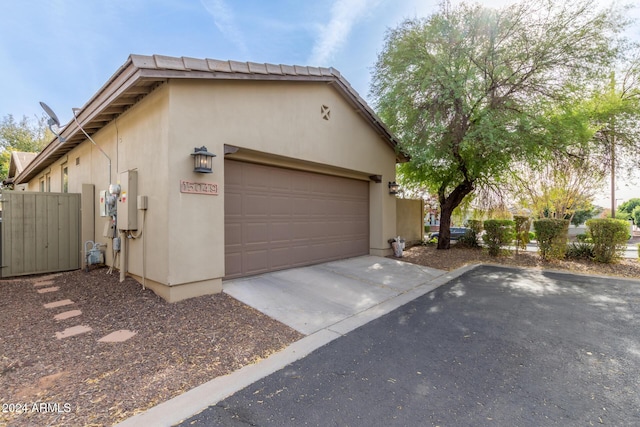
x=233 y=264
x=233 y=234
x=258 y=180
x=280 y=181
x=256 y=262
x=301 y=185
x=301 y=206
x=280 y=258
x=280 y=205
x=256 y=233
x=233 y=178
x=279 y=218
x=255 y=205
x=232 y=205
x=280 y=232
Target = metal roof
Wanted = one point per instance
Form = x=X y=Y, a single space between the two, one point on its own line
x=140 y=74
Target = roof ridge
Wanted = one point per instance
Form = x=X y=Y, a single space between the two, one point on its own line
x=185 y=63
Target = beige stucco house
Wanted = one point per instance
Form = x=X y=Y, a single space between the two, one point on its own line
x=300 y=176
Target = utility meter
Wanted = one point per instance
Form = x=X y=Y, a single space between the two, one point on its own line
x=114 y=189
x=112 y=200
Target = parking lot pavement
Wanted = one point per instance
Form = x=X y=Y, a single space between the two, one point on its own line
x=495 y=347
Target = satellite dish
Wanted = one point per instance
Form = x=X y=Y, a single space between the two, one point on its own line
x=53 y=120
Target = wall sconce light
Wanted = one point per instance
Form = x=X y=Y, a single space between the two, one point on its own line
x=202 y=160
x=393 y=188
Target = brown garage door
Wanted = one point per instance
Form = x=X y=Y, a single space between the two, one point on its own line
x=280 y=218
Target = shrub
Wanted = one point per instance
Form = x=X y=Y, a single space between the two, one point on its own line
x=580 y=250
x=523 y=224
x=427 y=229
x=584 y=238
x=609 y=238
x=532 y=236
x=472 y=235
x=468 y=240
x=552 y=237
x=498 y=233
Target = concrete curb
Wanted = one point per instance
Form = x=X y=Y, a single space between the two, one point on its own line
x=199 y=398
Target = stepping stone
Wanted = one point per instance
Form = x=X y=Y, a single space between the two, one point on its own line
x=58 y=303
x=47 y=277
x=46 y=290
x=75 y=330
x=118 y=336
x=67 y=315
x=44 y=283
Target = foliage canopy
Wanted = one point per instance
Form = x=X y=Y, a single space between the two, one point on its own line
x=466 y=89
x=23 y=135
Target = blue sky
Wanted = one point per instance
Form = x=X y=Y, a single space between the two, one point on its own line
x=62 y=51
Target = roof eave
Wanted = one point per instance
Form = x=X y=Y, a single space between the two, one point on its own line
x=140 y=74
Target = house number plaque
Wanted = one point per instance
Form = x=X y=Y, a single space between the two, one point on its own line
x=198 y=188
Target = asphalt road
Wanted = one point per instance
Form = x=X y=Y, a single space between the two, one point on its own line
x=495 y=347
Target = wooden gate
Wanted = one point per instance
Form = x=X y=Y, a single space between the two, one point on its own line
x=39 y=233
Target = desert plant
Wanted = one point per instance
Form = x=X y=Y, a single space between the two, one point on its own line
x=498 y=233
x=580 y=250
x=552 y=237
x=609 y=238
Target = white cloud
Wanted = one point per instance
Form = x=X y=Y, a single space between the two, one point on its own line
x=344 y=15
x=224 y=20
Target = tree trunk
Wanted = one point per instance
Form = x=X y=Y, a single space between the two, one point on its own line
x=447 y=205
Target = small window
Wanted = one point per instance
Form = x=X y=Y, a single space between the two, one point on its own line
x=65 y=178
x=48 y=179
x=42 y=185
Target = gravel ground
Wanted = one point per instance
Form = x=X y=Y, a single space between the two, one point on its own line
x=84 y=382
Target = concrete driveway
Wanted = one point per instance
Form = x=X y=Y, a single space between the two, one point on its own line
x=495 y=347
x=312 y=298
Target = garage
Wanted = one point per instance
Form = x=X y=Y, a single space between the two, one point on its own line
x=277 y=218
x=300 y=173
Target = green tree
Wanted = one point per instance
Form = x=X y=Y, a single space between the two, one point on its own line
x=635 y=214
x=629 y=206
x=558 y=188
x=615 y=111
x=582 y=215
x=466 y=89
x=23 y=135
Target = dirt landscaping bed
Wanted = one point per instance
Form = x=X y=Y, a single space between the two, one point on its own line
x=77 y=380
x=456 y=257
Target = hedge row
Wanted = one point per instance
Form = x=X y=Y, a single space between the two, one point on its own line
x=605 y=241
